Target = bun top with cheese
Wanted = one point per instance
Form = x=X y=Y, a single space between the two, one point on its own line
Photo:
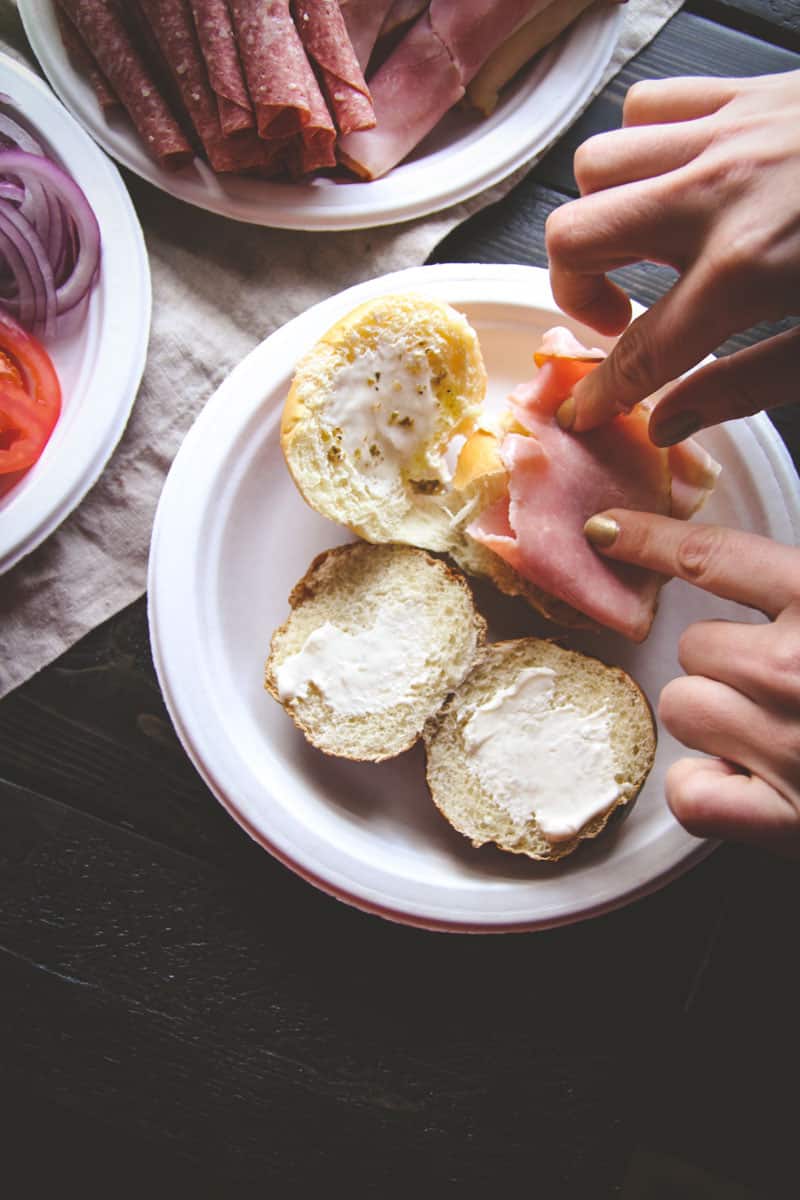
x=371 y=412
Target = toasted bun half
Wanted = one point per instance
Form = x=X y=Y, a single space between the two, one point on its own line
x=546 y=763
x=378 y=636
x=371 y=411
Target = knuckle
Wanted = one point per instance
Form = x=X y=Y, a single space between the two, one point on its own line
x=585 y=162
x=637 y=97
x=634 y=361
x=740 y=398
x=559 y=231
x=699 y=554
x=673 y=704
x=782 y=663
x=687 y=645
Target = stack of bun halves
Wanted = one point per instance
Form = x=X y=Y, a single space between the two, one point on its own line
x=530 y=746
x=293 y=87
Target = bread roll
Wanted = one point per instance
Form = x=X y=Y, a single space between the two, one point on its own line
x=372 y=410
x=538 y=747
x=376 y=639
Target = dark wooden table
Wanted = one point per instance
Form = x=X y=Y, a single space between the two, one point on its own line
x=182 y=1015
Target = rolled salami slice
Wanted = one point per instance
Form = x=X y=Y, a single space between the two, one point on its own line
x=101 y=28
x=327 y=43
x=413 y=89
x=281 y=82
x=172 y=26
x=217 y=40
x=85 y=63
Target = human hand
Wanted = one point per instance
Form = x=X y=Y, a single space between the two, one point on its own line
x=740 y=698
x=704 y=177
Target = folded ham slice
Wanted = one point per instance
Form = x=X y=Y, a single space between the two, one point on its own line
x=473 y=29
x=364 y=19
x=427 y=73
x=411 y=91
x=557 y=480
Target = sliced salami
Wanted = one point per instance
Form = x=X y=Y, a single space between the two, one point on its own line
x=172 y=26
x=212 y=19
x=282 y=85
x=84 y=62
x=100 y=26
x=327 y=43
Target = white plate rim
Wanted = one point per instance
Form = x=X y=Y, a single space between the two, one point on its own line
x=569 y=72
x=116 y=333
x=529 y=286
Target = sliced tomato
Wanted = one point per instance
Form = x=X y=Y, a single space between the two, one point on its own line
x=30 y=397
x=25 y=428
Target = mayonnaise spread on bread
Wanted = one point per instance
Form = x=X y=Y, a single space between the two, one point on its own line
x=364 y=672
x=382 y=411
x=539 y=759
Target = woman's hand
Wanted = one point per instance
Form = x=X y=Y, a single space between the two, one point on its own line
x=704 y=177
x=740 y=698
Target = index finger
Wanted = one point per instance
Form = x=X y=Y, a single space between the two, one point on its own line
x=743 y=567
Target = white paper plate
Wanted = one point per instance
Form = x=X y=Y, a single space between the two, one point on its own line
x=101 y=364
x=459 y=159
x=232 y=537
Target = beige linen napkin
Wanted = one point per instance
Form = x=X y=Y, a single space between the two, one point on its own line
x=219 y=288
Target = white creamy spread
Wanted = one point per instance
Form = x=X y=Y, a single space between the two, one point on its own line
x=537 y=759
x=383 y=411
x=364 y=672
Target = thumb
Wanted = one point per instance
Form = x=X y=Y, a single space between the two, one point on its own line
x=762 y=376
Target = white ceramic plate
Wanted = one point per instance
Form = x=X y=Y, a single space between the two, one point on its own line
x=100 y=364
x=460 y=158
x=231 y=538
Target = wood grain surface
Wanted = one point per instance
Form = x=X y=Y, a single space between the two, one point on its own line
x=182 y=1015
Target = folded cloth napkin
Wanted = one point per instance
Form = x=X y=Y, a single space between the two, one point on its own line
x=219 y=287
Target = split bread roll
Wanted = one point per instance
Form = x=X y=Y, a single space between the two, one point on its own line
x=382 y=433
x=372 y=410
x=378 y=636
x=538 y=747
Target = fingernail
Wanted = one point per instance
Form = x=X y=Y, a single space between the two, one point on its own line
x=601 y=531
x=675 y=429
x=565 y=415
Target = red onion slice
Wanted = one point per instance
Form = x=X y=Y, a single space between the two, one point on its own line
x=49 y=237
x=29 y=169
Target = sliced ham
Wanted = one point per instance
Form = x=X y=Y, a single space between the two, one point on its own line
x=217 y=40
x=426 y=74
x=557 y=480
x=473 y=29
x=538 y=31
x=327 y=43
x=107 y=40
x=411 y=92
x=364 y=19
x=401 y=12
